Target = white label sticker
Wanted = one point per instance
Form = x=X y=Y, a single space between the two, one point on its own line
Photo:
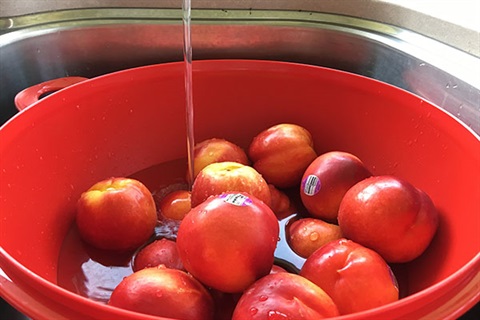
x=311 y=185
x=236 y=199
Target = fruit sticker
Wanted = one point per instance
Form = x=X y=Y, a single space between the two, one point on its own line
x=236 y=199
x=311 y=185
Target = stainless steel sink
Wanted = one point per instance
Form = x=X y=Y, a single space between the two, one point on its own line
x=91 y=42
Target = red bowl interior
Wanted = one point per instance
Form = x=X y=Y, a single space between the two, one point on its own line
x=121 y=123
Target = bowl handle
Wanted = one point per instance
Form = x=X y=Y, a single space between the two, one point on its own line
x=15 y=295
x=34 y=93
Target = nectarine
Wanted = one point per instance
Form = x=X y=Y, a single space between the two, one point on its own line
x=390 y=216
x=284 y=295
x=229 y=176
x=164 y=292
x=327 y=179
x=228 y=241
x=281 y=154
x=116 y=214
x=355 y=277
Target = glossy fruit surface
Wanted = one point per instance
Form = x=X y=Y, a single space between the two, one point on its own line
x=217 y=150
x=327 y=179
x=355 y=277
x=116 y=214
x=284 y=295
x=164 y=292
x=281 y=153
x=308 y=234
x=159 y=252
x=228 y=241
x=226 y=176
x=390 y=216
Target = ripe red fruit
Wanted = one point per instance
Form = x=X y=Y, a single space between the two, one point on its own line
x=220 y=177
x=159 y=252
x=390 y=216
x=355 y=277
x=327 y=179
x=116 y=214
x=282 y=153
x=284 y=295
x=228 y=241
x=163 y=292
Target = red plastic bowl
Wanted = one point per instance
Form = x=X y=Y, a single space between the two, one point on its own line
x=121 y=123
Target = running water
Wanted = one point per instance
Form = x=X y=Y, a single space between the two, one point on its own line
x=187 y=57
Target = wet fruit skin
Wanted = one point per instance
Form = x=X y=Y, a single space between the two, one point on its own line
x=228 y=241
x=355 y=277
x=281 y=154
x=164 y=292
x=159 y=252
x=175 y=205
x=217 y=150
x=229 y=176
x=284 y=296
x=281 y=204
x=327 y=179
x=308 y=234
x=389 y=215
x=116 y=214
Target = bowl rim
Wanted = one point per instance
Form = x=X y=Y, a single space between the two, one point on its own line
x=467 y=271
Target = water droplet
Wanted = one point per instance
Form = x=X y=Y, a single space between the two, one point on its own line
x=314 y=236
x=273 y=314
x=263 y=298
x=253 y=311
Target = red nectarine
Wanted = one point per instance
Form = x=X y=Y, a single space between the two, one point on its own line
x=228 y=241
x=159 y=252
x=284 y=295
x=390 y=216
x=282 y=153
x=308 y=234
x=355 y=277
x=326 y=180
x=116 y=214
x=229 y=176
x=164 y=292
